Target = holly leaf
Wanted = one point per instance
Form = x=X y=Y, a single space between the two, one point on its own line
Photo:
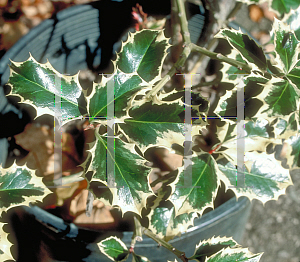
x=211 y=246
x=153 y=124
x=280 y=99
x=234 y=254
x=114 y=94
x=114 y=249
x=5 y=245
x=48 y=91
x=283 y=7
x=19 y=186
x=286 y=46
x=292 y=19
x=195 y=186
x=128 y=177
x=137 y=258
x=255 y=136
x=138 y=65
x=264 y=177
x=246 y=46
x=143 y=53
x=253 y=85
x=157 y=124
x=164 y=223
x=231 y=73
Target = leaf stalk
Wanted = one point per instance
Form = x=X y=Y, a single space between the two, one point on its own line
x=222 y=58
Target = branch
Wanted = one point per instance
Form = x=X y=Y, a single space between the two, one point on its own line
x=165 y=244
x=221 y=58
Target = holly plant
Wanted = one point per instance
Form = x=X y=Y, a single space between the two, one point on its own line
x=132 y=112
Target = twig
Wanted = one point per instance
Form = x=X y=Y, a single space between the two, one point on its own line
x=183 y=22
x=211 y=46
x=233 y=12
x=177 y=39
x=165 y=244
x=137 y=234
x=176 y=35
x=221 y=58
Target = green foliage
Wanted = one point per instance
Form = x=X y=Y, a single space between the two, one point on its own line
x=247 y=47
x=40 y=85
x=196 y=185
x=19 y=186
x=136 y=122
x=114 y=249
x=237 y=254
x=129 y=184
x=208 y=247
x=164 y=222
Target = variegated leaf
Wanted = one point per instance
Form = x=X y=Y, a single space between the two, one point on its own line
x=253 y=85
x=19 y=186
x=128 y=179
x=196 y=185
x=165 y=225
x=283 y=7
x=264 y=177
x=283 y=129
x=286 y=46
x=114 y=249
x=48 y=91
x=113 y=93
x=143 y=53
x=159 y=124
x=279 y=98
x=246 y=46
x=234 y=254
x=211 y=246
x=255 y=137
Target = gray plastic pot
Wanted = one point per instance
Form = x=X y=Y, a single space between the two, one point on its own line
x=36 y=229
